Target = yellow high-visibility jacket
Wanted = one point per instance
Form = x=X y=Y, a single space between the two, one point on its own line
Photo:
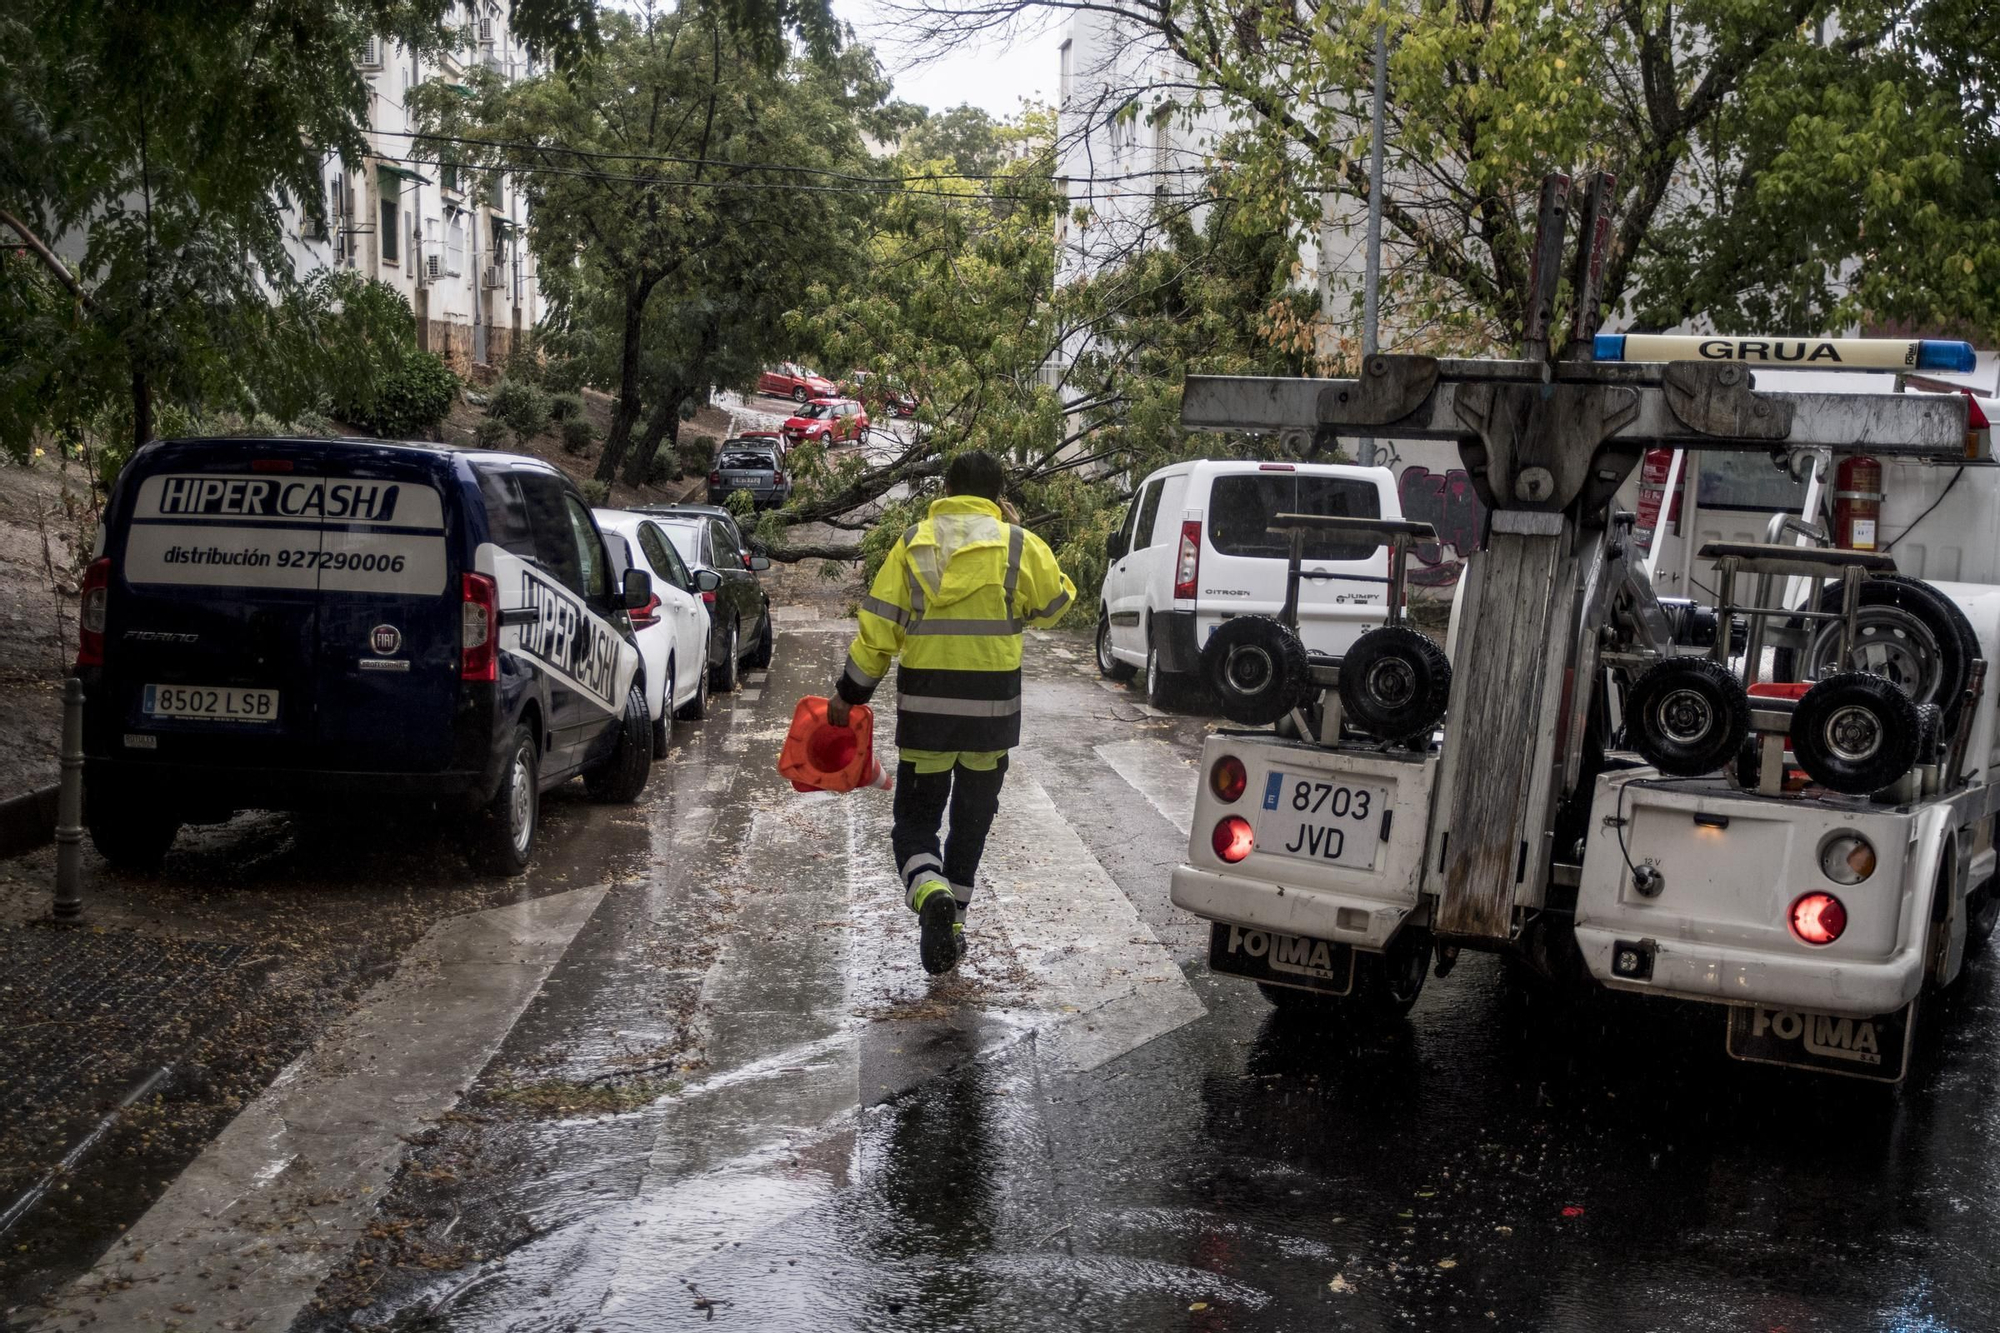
x=952 y=600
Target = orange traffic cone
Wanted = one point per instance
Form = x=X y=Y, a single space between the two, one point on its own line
x=818 y=756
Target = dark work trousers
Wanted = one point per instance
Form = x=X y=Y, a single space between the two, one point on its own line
x=973 y=798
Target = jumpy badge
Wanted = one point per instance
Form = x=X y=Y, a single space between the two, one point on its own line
x=818 y=756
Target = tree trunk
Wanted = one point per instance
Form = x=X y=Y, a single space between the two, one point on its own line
x=142 y=409
x=626 y=414
x=663 y=424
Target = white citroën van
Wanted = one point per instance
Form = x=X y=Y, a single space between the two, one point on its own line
x=1196 y=550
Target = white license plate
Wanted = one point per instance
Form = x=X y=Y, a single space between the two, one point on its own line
x=1316 y=818
x=211 y=705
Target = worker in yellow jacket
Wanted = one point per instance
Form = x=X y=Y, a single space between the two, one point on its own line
x=951 y=600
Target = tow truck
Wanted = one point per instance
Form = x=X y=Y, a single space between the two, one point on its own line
x=1779 y=804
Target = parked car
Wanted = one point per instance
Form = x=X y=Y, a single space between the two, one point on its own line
x=828 y=421
x=886 y=395
x=284 y=624
x=1196 y=549
x=740 y=634
x=789 y=379
x=753 y=466
x=672 y=628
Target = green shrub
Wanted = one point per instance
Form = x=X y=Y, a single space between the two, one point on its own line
x=578 y=435
x=524 y=407
x=564 y=374
x=524 y=364
x=490 y=432
x=566 y=406
x=409 y=401
x=317 y=425
x=596 y=493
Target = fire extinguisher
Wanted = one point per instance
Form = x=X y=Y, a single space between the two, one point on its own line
x=1857 y=502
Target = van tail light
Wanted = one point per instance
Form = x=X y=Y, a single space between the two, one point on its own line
x=648 y=615
x=1818 y=918
x=1233 y=839
x=1187 y=568
x=90 y=620
x=479 y=629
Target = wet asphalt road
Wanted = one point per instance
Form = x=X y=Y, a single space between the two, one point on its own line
x=1099 y=1134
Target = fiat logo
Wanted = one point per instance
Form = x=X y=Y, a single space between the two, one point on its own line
x=385 y=639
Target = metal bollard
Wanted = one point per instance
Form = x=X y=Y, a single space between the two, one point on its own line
x=69 y=807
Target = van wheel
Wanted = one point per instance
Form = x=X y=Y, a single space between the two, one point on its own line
x=1109 y=666
x=1386 y=986
x=128 y=835
x=1159 y=682
x=663 y=725
x=502 y=835
x=622 y=775
x=722 y=675
x=760 y=656
x=696 y=708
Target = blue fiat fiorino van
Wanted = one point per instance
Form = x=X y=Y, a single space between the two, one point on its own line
x=288 y=624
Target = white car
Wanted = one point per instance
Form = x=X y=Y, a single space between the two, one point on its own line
x=672 y=630
x=1195 y=550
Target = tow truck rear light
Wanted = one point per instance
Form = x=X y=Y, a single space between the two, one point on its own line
x=479 y=629
x=1847 y=858
x=1187 y=568
x=1818 y=918
x=1228 y=779
x=1233 y=839
x=90 y=620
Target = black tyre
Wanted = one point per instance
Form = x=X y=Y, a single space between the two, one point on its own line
x=1982 y=914
x=722 y=675
x=1257 y=669
x=1394 y=683
x=1386 y=985
x=1108 y=666
x=663 y=725
x=502 y=835
x=1930 y=732
x=129 y=830
x=1906 y=631
x=1855 y=733
x=622 y=775
x=1159 y=681
x=696 y=708
x=1687 y=716
x=767 y=644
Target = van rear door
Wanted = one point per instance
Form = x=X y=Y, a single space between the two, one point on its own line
x=212 y=626
x=1243 y=565
x=389 y=610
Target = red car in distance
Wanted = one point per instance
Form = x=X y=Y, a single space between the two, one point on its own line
x=828 y=421
x=884 y=394
x=789 y=379
x=775 y=438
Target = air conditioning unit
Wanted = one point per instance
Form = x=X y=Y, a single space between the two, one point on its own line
x=371 y=53
x=494 y=278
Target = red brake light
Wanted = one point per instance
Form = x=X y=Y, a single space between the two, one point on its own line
x=648 y=615
x=1228 y=779
x=777 y=478
x=479 y=629
x=1233 y=839
x=1188 y=567
x=270 y=465
x=1818 y=918
x=715 y=478
x=708 y=597
x=90 y=620
x=1276 y=467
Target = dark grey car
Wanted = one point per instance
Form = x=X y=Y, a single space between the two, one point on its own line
x=749 y=465
x=740 y=633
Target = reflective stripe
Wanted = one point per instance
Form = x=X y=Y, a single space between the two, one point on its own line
x=887 y=610
x=916 y=595
x=919 y=863
x=962 y=892
x=860 y=677
x=1015 y=538
x=930 y=703
x=988 y=627
x=1061 y=600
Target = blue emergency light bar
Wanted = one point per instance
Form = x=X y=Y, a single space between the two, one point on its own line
x=1934 y=354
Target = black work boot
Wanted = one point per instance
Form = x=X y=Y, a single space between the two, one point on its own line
x=937 y=921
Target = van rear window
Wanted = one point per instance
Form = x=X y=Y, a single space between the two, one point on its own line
x=1242 y=508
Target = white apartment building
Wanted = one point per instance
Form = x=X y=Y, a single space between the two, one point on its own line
x=452 y=241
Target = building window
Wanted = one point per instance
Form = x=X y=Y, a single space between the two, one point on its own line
x=454 y=247
x=392 y=230
x=1067 y=77
x=448 y=176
